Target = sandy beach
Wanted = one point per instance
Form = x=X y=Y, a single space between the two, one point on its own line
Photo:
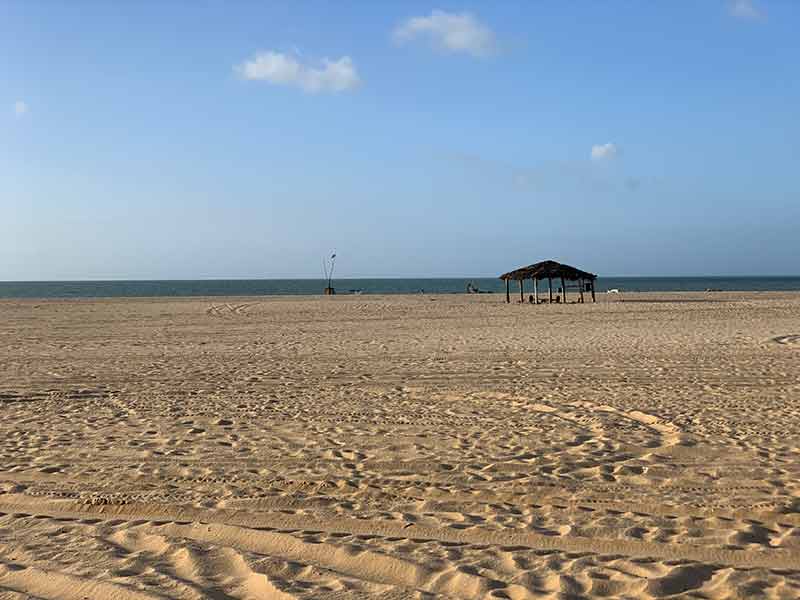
x=400 y=447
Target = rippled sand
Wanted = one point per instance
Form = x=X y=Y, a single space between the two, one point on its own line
x=393 y=447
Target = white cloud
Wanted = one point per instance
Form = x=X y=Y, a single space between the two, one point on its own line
x=745 y=9
x=450 y=32
x=20 y=108
x=284 y=69
x=604 y=151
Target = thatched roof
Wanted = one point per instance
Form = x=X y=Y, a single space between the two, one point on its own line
x=547 y=269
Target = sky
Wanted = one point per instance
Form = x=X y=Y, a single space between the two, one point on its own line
x=181 y=140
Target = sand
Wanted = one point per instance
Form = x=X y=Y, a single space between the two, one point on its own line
x=400 y=447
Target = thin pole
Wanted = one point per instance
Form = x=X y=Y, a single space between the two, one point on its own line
x=550 y=287
x=521 y=295
x=536 y=290
x=564 y=289
x=593 y=300
x=580 y=282
x=508 y=294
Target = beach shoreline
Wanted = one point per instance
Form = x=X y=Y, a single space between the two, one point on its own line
x=602 y=297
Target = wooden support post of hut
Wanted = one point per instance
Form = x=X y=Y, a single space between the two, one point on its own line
x=549 y=270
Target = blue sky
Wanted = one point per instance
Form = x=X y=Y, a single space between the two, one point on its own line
x=213 y=139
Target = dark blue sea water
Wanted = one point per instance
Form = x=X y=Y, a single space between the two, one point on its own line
x=270 y=287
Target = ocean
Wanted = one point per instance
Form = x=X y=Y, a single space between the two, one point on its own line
x=305 y=287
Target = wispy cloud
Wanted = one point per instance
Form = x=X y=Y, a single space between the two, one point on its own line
x=450 y=32
x=745 y=9
x=20 y=108
x=286 y=69
x=604 y=151
x=580 y=175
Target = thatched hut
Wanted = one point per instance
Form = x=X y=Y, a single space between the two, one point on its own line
x=550 y=270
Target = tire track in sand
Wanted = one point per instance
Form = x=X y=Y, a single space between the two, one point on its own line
x=53 y=585
x=187 y=565
x=223 y=310
x=670 y=434
x=271 y=533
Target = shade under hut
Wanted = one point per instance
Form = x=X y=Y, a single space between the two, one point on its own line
x=550 y=270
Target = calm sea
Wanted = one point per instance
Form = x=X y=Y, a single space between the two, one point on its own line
x=270 y=287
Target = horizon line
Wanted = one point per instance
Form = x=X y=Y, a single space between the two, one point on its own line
x=356 y=278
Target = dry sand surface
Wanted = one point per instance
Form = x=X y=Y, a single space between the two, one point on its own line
x=400 y=447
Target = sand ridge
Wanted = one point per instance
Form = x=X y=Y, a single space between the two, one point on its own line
x=393 y=447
